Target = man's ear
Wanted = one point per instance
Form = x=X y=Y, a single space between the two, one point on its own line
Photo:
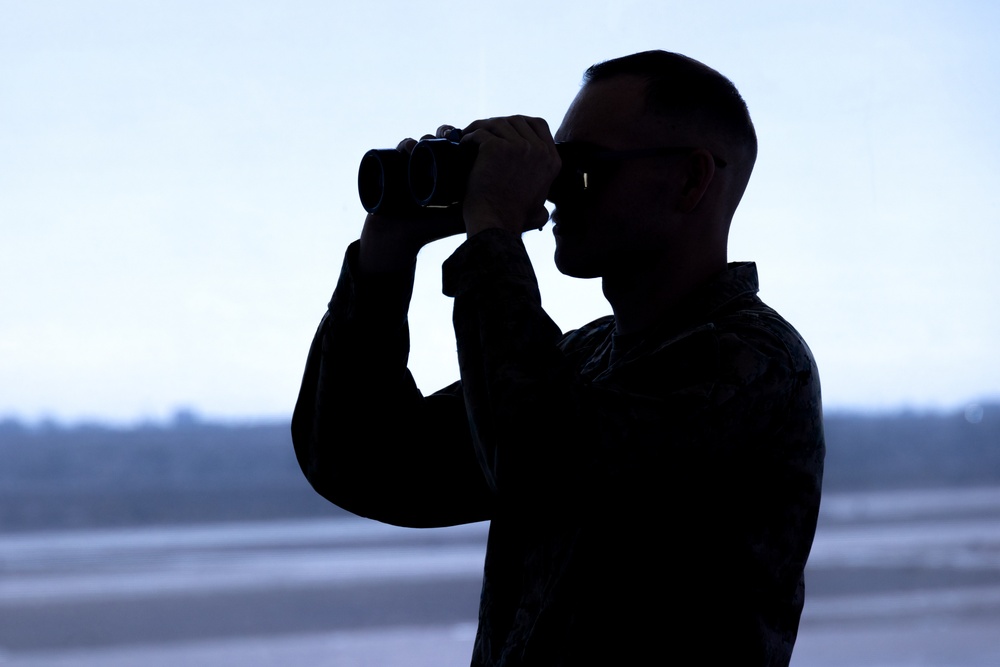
x=699 y=173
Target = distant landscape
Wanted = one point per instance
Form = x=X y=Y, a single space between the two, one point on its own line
x=189 y=470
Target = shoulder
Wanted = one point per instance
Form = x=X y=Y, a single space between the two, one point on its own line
x=739 y=317
x=754 y=323
x=765 y=366
x=742 y=358
x=765 y=361
x=589 y=335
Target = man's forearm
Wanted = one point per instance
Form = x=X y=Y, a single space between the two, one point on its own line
x=520 y=392
x=365 y=437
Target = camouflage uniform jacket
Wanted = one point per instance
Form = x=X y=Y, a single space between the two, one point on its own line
x=652 y=498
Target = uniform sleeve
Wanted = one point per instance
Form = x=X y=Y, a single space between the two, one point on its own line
x=521 y=393
x=364 y=436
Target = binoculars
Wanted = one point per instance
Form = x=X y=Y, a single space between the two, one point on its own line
x=433 y=175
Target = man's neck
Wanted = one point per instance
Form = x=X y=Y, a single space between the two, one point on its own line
x=640 y=299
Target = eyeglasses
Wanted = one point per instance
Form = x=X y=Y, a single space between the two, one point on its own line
x=581 y=161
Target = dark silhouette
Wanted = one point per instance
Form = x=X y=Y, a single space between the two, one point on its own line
x=653 y=478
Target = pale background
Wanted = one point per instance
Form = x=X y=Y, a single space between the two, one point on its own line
x=178 y=183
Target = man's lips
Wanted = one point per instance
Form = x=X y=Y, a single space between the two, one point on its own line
x=557 y=221
x=561 y=226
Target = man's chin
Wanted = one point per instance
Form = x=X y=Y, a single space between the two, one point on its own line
x=573 y=265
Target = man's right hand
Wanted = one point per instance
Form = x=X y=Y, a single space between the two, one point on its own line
x=390 y=242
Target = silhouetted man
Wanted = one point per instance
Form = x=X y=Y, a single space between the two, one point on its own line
x=653 y=478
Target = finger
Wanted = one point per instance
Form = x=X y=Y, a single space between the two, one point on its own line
x=539 y=127
x=449 y=132
x=531 y=129
x=406 y=145
x=539 y=218
x=519 y=124
x=524 y=126
x=489 y=129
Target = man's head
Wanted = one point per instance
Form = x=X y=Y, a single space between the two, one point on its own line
x=643 y=206
x=691 y=96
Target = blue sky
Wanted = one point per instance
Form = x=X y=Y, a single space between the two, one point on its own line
x=177 y=183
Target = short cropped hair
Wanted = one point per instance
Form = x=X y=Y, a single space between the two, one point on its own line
x=681 y=87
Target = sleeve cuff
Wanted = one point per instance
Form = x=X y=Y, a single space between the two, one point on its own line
x=381 y=297
x=487 y=255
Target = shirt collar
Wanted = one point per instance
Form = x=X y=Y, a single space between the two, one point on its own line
x=739 y=279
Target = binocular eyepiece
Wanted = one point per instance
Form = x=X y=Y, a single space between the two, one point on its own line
x=432 y=176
